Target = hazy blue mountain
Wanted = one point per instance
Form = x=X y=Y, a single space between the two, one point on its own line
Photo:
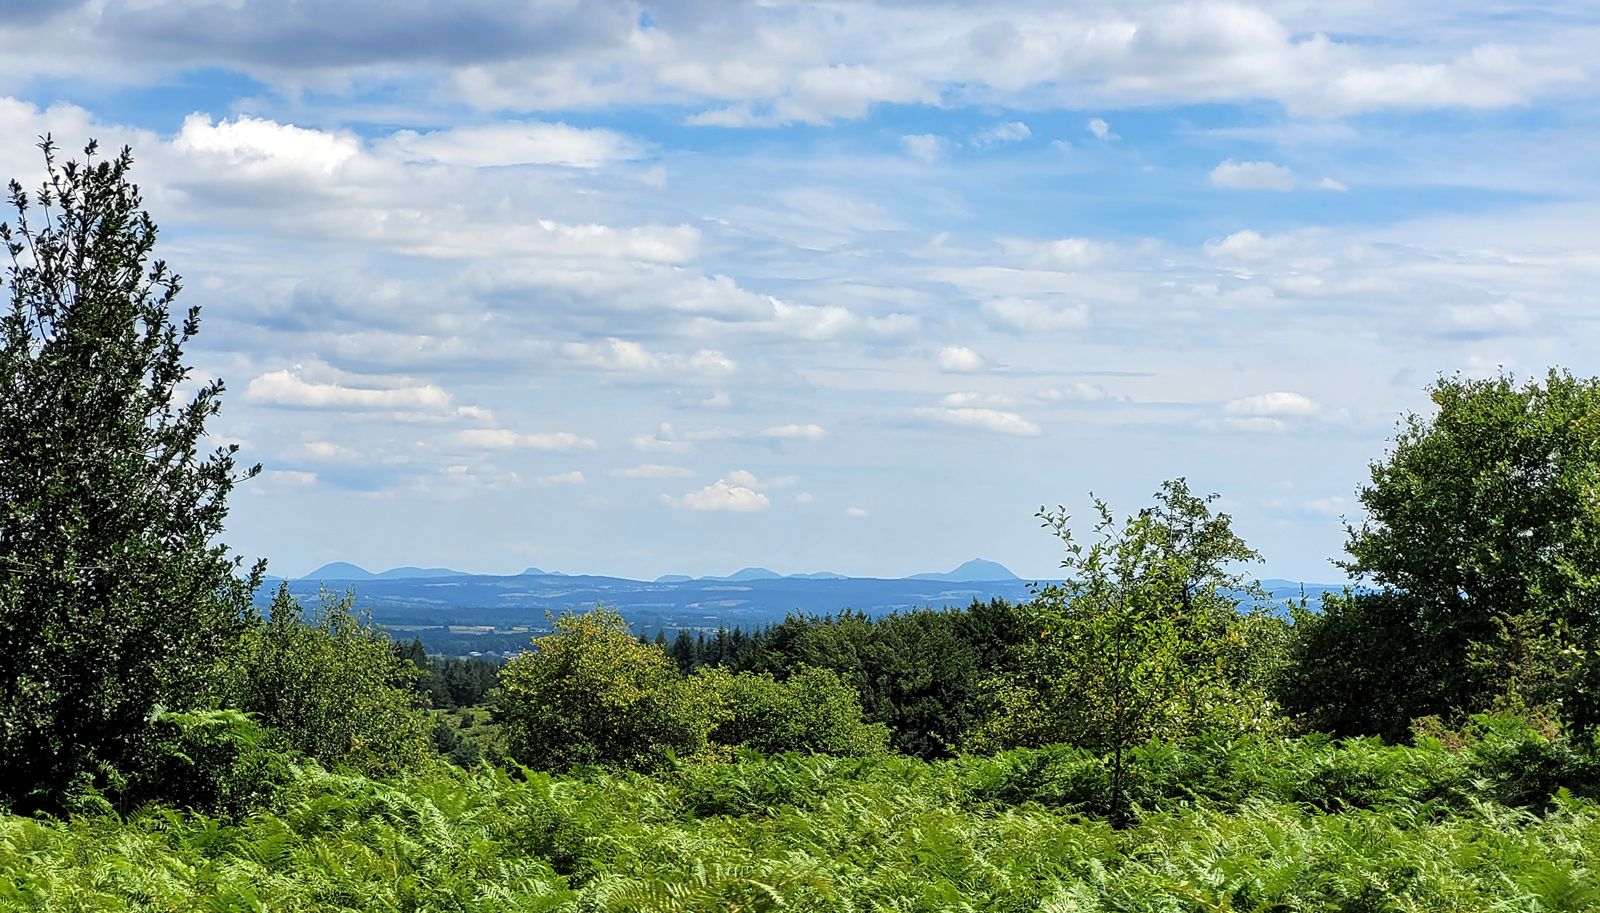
x=974 y=570
x=531 y=572
x=819 y=575
x=749 y=573
x=344 y=570
x=674 y=578
x=340 y=570
x=414 y=573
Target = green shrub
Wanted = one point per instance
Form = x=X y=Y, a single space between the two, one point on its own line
x=811 y=711
x=329 y=687
x=589 y=693
x=213 y=761
x=447 y=741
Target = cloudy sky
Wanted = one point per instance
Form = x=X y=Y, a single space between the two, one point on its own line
x=679 y=287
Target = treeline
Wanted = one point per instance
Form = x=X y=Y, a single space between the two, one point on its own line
x=450 y=682
x=921 y=674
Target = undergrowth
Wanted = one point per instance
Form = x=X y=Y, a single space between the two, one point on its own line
x=1499 y=824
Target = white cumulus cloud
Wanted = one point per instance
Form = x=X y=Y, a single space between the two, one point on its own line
x=749 y=480
x=1023 y=315
x=629 y=356
x=325 y=450
x=1271 y=404
x=254 y=147
x=929 y=147
x=722 y=495
x=286 y=388
x=961 y=360
x=802 y=432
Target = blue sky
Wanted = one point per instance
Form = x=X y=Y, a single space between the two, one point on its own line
x=635 y=289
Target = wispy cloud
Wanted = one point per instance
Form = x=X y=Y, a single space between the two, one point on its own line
x=1001 y=134
x=993 y=420
x=563 y=478
x=505 y=439
x=1252 y=176
x=654 y=471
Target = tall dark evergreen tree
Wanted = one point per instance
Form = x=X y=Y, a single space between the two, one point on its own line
x=115 y=597
x=682 y=651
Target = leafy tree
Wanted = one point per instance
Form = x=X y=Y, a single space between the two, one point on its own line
x=1483 y=536
x=926 y=671
x=811 y=711
x=1145 y=640
x=921 y=673
x=330 y=686
x=1360 y=666
x=589 y=693
x=115 y=598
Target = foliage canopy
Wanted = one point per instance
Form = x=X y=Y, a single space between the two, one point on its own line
x=589 y=693
x=329 y=686
x=1483 y=535
x=810 y=711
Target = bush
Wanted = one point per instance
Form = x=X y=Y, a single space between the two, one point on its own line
x=589 y=693
x=811 y=711
x=330 y=687
x=214 y=761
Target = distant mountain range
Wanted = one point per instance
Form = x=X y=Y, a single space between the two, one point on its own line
x=411 y=597
x=343 y=571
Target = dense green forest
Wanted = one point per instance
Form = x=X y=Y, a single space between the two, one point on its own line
x=1151 y=734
